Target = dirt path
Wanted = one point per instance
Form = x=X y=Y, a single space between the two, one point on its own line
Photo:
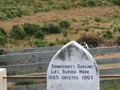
x=45 y=17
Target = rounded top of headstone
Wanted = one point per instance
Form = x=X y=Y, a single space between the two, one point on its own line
x=70 y=49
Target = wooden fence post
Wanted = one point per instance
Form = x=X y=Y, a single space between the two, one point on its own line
x=3 y=81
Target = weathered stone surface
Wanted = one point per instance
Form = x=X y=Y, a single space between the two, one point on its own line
x=73 y=68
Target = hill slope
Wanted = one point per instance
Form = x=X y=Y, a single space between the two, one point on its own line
x=97 y=20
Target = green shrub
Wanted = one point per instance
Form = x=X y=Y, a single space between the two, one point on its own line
x=115 y=16
x=63 y=42
x=108 y=35
x=98 y=33
x=91 y=39
x=116 y=28
x=10 y=15
x=14 y=12
x=17 y=33
x=39 y=34
x=97 y=19
x=3 y=31
x=83 y=3
x=40 y=43
x=30 y=29
x=91 y=3
x=86 y=29
x=100 y=3
x=64 y=24
x=51 y=29
x=3 y=40
x=50 y=2
x=45 y=28
x=54 y=28
x=51 y=43
x=117 y=2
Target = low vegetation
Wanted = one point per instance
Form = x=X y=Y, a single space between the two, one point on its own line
x=3 y=40
x=15 y=8
x=64 y=24
x=17 y=33
x=2 y=32
x=107 y=34
x=92 y=40
x=117 y=2
x=30 y=29
x=51 y=29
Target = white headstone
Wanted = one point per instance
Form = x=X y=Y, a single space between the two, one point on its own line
x=73 y=68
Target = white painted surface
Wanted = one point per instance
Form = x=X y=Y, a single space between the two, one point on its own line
x=73 y=68
x=3 y=82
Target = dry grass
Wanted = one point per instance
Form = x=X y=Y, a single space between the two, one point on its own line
x=47 y=17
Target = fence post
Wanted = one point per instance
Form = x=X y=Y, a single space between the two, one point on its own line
x=3 y=81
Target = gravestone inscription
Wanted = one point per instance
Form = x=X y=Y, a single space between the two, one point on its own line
x=72 y=68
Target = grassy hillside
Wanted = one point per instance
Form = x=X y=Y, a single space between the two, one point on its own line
x=39 y=23
x=18 y=8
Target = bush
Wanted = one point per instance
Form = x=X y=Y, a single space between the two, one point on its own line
x=92 y=40
x=111 y=42
x=63 y=42
x=97 y=19
x=40 y=43
x=14 y=12
x=51 y=43
x=39 y=34
x=83 y=3
x=91 y=3
x=3 y=40
x=108 y=35
x=17 y=33
x=116 y=28
x=30 y=29
x=64 y=24
x=65 y=6
x=51 y=29
x=2 y=31
x=117 y=2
